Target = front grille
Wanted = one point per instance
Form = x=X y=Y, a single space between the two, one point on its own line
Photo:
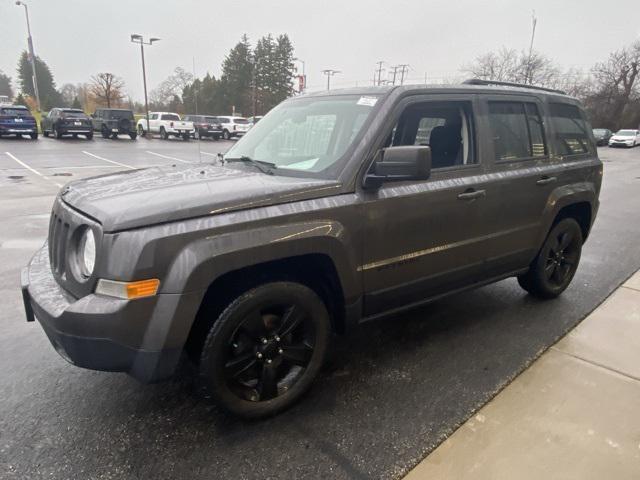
x=58 y=244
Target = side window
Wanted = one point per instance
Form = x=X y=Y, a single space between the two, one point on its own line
x=570 y=130
x=446 y=127
x=517 y=131
x=153 y=116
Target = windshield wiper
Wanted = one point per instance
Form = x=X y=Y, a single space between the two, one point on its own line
x=264 y=167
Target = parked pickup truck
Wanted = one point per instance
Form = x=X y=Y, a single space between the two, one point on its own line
x=166 y=124
x=336 y=208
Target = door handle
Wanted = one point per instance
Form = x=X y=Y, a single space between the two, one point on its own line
x=546 y=180
x=471 y=194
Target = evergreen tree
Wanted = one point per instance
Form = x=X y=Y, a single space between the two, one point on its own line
x=20 y=100
x=5 y=85
x=76 y=103
x=283 y=71
x=49 y=96
x=236 y=80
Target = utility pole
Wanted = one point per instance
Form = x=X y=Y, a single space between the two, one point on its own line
x=329 y=73
x=32 y=55
x=135 y=38
x=379 y=70
x=395 y=71
x=529 y=73
x=404 y=68
x=252 y=61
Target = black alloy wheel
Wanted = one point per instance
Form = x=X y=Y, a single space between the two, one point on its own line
x=266 y=348
x=555 y=265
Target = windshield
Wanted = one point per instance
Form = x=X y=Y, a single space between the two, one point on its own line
x=627 y=133
x=307 y=134
x=15 y=112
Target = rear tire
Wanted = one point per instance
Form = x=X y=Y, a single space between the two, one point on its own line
x=45 y=133
x=104 y=132
x=226 y=135
x=56 y=133
x=264 y=351
x=163 y=134
x=89 y=136
x=185 y=136
x=552 y=270
x=141 y=131
x=133 y=135
x=34 y=136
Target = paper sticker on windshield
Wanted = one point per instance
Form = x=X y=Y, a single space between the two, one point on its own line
x=367 y=101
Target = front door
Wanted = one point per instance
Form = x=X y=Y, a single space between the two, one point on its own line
x=424 y=238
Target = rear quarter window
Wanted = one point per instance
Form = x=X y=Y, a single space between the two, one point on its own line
x=571 y=130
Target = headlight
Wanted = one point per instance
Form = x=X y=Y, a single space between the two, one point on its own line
x=87 y=252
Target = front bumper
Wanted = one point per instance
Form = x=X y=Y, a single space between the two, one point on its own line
x=142 y=337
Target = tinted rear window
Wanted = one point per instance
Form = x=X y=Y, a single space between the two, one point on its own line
x=170 y=116
x=118 y=114
x=240 y=121
x=516 y=130
x=15 y=112
x=571 y=135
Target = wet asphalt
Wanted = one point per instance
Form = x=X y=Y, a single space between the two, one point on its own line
x=391 y=391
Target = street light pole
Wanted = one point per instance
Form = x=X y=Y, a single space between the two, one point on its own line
x=135 y=38
x=329 y=73
x=32 y=54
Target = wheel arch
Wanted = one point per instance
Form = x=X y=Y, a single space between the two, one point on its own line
x=578 y=201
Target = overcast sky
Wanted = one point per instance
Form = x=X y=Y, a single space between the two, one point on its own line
x=78 y=38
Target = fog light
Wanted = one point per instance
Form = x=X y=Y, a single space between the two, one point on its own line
x=128 y=290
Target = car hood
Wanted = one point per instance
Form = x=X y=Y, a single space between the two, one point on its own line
x=156 y=195
x=623 y=137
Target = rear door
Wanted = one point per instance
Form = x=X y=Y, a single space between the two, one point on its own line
x=522 y=173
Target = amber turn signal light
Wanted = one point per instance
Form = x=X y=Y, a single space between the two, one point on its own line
x=128 y=290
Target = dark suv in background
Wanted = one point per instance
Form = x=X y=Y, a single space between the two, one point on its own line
x=17 y=120
x=336 y=208
x=206 y=126
x=67 y=121
x=111 y=122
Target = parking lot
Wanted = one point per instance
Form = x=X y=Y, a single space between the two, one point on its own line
x=391 y=393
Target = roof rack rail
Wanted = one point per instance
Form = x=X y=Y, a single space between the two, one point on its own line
x=478 y=81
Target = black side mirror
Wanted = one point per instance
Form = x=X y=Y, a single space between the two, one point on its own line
x=412 y=162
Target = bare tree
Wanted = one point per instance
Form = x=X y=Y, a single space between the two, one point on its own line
x=617 y=85
x=107 y=88
x=171 y=88
x=509 y=65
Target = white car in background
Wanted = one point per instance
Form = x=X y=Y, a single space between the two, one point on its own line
x=625 y=138
x=167 y=124
x=233 y=126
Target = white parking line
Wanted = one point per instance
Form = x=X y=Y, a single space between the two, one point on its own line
x=209 y=153
x=167 y=157
x=31 y=169
x=110 y=161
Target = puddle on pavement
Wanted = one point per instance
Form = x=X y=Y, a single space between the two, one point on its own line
x=62 y=174
x=16 y=177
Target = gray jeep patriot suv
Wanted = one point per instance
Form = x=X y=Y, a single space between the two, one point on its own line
x=336 y=208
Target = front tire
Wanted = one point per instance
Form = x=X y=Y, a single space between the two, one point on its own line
x=185 y=136
x=56 y=133
x=34 y=136
x=89 y=136
x=265 y=349
x=141 y=131
x=45 y=133
x=552 y=270
x=133 y=135
x=104 y=132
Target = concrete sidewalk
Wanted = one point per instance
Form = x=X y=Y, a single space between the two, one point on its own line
x=573 y=414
